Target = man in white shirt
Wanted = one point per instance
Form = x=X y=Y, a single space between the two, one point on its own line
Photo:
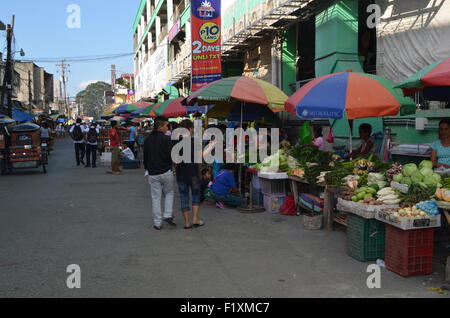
x=77 y=133
x=91 y=138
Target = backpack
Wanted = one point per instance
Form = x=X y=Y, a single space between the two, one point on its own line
x=92 y=136
x=77 y=133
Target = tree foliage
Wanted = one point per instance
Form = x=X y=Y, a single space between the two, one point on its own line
x=92 y=99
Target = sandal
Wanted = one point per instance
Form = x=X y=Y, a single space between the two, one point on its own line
x=188 y=227
x=199 y=224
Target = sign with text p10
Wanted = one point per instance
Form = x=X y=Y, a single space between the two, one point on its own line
x=206 y=42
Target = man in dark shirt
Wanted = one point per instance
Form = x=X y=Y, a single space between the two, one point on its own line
x=158 y=163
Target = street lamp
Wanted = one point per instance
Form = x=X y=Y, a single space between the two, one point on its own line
x=22 y=53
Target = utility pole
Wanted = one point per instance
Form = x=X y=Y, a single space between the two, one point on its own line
x=113 y=77
x=63 y=69
x=30 y=94
x=7 y=81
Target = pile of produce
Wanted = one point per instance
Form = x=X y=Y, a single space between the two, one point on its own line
x=395 y=169
x=321 y=177
x=378 y=179
x=421 y=210
x=446 y=183
x=389 y=196
x=422 y=175
x=365 y=195
x=363 y=166
x=312 y=173
x=443 y=194
x=347 y=194
x=297 y=173
x=308 y=153
x=337 y=175
x=418 y=193
x=274 y=163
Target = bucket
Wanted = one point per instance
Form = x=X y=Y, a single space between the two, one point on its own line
x=312 y=221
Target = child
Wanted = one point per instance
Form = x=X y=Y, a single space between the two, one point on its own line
x=204 y=184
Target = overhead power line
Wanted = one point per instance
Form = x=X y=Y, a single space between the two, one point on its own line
x=79 y=59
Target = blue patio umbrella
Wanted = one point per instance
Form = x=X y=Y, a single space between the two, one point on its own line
x=21 y=116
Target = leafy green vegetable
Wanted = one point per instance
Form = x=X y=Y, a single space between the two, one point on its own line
x=418 y=193
x=409 y=169
x=426 y=164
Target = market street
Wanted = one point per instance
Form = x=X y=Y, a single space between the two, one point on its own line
x=76 y=215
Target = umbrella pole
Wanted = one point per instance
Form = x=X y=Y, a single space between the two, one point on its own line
x=240 y=166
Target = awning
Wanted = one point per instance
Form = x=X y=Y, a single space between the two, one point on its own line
x=172 y=91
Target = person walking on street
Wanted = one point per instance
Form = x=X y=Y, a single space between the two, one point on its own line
x=188 y=179
x=114 y=142
x=77 y=134
x=158 y=164
x=132 y=139
x=91 y=145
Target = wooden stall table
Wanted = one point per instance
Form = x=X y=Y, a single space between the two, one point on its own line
x=329 y=207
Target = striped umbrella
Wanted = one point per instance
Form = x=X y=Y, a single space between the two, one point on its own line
x=358 y=95
x=434 y=79
x=109 y=110
x=240 y=89
x=126 y=109
x=146 y=111
x=142 y=104
x=170 y=108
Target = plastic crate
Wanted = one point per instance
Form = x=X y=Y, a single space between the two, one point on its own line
x=272 y=203
x=409 y=252
x=273 y=187
x=131 y=164
x=365 y=238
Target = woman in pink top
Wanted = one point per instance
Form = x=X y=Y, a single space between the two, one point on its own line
x=318 y=138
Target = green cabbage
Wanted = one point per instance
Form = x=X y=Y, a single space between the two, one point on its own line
x=426 y=164
x=430 y=181
x=406 y=180
x=409 y=169
x=417 y=177
x=398 y=177
x=437 y=178
x=425 y=171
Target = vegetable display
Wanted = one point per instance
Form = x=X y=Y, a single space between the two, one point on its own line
x=395 y=170
x=389 y=196
x=417 y=193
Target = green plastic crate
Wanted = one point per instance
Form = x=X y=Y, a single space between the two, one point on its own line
x=365 y=238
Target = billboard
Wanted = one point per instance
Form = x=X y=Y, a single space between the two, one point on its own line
x=206 y=42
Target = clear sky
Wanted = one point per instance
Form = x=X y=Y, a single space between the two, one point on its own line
x=106 y=28
x=41 y=30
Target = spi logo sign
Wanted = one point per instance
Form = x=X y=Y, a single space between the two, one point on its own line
x=206 y=42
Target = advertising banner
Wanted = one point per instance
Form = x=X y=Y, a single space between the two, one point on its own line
x=206 y=42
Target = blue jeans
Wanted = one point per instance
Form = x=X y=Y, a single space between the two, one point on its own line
x=229 y=199
x=184 y=184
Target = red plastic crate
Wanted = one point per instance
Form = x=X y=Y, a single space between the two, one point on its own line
x=409 y=252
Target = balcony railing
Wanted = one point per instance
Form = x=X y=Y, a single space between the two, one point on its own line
x=181 y=66
x=163 y=34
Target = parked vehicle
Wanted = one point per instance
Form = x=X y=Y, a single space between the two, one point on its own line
x=25 y=150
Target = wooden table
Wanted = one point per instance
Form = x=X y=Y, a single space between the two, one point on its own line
x=329 y=206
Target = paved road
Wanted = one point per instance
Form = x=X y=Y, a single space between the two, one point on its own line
x=77 y=215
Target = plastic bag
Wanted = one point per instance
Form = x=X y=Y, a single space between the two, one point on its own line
x=330 y=138
x=305 y=133
x=128 y=154
x=288 y=208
